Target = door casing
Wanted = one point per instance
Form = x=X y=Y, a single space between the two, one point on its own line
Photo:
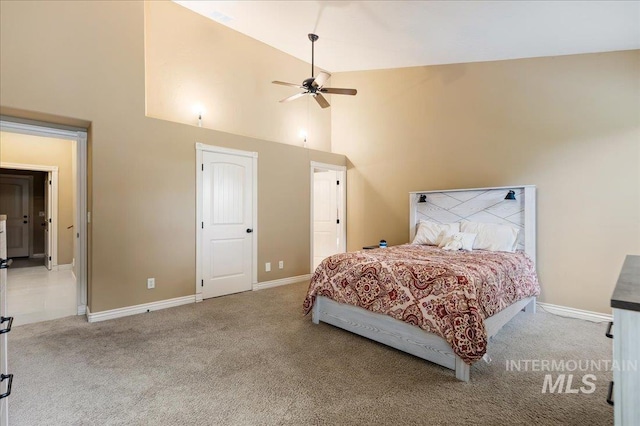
x=200 y=148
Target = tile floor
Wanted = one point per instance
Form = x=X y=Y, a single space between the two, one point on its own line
x=35 y=294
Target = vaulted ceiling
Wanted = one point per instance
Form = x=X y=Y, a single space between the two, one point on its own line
x=363 y=35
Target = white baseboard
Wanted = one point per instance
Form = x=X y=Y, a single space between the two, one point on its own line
x=282 y=281
x=37 y=256
x=565 y=311
x=269 y=284
x=82 y=309
x=66 y=267
x=139 y=309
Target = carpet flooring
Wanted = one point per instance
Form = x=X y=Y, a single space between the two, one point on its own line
x=253 y=359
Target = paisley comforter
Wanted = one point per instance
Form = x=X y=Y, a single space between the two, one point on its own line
x=448 y=293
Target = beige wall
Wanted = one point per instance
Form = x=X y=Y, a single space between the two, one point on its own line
x=26 y=149
x=566 y=124
x=85 y=61
x=569 y=125
x=192 y=60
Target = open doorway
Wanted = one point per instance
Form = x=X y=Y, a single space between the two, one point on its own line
x=49 y=234
x=328 y=219
x=23 y=197
x=29 y=198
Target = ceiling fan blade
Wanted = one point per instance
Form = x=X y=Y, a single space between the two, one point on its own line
x=321 y=100
x=282 y=83
x=321 y=79
x=337 y=91
x=292 y=97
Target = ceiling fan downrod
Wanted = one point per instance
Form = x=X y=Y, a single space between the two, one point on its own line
x=313 y=39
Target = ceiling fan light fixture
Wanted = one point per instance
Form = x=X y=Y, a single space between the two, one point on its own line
x=315 y=85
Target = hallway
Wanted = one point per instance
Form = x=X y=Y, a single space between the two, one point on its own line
x=35 y=294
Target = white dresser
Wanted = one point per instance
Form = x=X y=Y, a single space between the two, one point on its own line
x=625 y=302
x=5 y=327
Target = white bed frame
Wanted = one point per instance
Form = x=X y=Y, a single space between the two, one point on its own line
x=479 y=204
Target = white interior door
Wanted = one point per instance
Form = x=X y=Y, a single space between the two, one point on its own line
x=48 y=239
x=227 y=224
x=14 y=202
x=325 y=215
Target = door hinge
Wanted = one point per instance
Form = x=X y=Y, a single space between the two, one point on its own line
x=203 y=167
x=201 y=283
x=337 y=182
x=78 y=235
x=49 y=258
x=49 y=182
x=202 y=225
x=49 y=220
x=338 y=221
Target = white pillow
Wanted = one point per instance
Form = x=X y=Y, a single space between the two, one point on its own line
x=492 y=236
x=445 y=234
x=428 y=232
x=458 y=241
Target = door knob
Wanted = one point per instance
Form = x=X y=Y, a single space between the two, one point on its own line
x=249 y=230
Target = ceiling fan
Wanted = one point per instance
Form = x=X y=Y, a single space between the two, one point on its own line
x=314 y=86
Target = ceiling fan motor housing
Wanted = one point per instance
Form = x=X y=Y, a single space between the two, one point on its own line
x=308 y=84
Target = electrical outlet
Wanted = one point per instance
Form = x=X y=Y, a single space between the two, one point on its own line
x=151 y=283
x=267 y=267
x=281 y=264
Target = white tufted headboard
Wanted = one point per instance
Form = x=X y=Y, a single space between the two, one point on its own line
x=486 y=205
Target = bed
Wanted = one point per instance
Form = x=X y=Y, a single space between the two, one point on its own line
x=440 y=305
